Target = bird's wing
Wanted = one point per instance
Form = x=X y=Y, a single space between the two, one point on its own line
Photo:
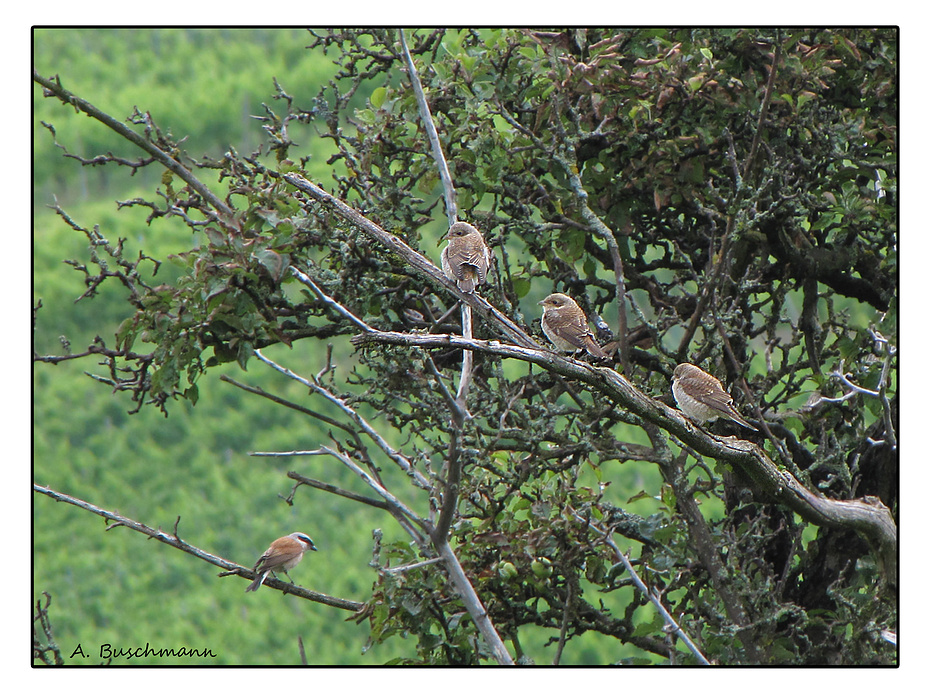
x=477 y=260
x=575 y=332
x=708 y=393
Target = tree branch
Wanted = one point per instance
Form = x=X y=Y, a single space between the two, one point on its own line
x=651 y=597
x=53 y=88
x=458 y=409
x=417 y=261
x=866 y=516
x=174 y=541
x=449 y=192
x=397 y=457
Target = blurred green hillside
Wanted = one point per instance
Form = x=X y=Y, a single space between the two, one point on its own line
x=201 y=84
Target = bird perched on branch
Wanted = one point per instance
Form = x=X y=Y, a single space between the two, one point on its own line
x=701 y=397
x=282 y=555
x=566 y=326
x=466 y=257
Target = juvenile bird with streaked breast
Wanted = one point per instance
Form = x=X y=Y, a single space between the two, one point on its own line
x=282 y=555
x=701 y=397
x=566 y=326
x=466 y=258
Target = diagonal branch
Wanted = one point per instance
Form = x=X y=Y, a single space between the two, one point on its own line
x=327 y=487
x=418 y=262
x=867 y=516
x=174 y=541
x=53 y=87
x=449 y=192
x=402 y=462
x=670 y=622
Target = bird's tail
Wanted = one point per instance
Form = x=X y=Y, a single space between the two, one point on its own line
x=257 y=582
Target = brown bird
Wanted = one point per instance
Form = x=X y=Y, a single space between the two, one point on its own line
x=566 y=326
x=701 y=397
x=466 y=257
x=282 y=555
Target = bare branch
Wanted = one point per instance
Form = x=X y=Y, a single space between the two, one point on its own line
x=327 y=487
x=230 y=567
x=762 y=116
x=46 y=650
x=397 y=457
x=410 y=567
x=651 y=597
x=449 y=192
x=293 y=406
x=881 y=341
x=53 y=88
x=417 y=261
x=474 y=605
x=305 y=279
x=390 y=498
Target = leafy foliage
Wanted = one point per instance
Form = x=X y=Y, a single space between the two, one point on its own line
x=726 y=197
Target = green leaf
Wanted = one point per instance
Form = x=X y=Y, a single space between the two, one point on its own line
x=245 y=352
x=275 y=263
x=377 y=98
x=365 y=115
x=192 y=394
x=521 y=286
x=125 y=335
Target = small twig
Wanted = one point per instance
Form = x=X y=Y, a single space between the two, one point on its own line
x=406 y=517
x=455 y=410
x=293 y=406
x=41 y=649
x=566 y=616
x=510 y=405
x=854 y=387
x=390 y=499
x=327 y=487
x=841 y=398
x=762 y=117
x=409 y=567
x=53 y=88
x=882 y=385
